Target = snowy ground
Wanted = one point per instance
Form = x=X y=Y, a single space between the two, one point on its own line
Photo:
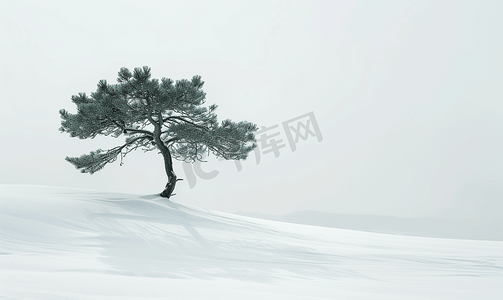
x=59 y=243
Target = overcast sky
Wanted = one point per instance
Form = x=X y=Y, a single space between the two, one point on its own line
x=406 y=97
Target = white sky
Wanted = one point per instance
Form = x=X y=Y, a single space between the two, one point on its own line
x=407 y=96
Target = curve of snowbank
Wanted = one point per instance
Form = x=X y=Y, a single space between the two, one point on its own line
x=78 y=244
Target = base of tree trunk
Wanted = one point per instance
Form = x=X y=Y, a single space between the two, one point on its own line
x=170 y=187
x=165 y=194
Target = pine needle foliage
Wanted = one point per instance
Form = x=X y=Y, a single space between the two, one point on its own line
x=154 y=114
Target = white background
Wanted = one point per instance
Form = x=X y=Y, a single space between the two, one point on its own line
x=407 y=95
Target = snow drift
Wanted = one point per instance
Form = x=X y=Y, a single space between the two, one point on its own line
x=79 y=244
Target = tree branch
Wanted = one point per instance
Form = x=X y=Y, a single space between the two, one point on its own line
x=186 y=121
x=172 y=140
x=139 y=131
x=96 y=160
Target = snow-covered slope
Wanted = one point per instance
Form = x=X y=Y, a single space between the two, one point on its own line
x=60 y=243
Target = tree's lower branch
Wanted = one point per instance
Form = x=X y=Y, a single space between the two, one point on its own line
x=96 y=160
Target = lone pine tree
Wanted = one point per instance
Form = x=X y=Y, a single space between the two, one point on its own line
x=154 y=115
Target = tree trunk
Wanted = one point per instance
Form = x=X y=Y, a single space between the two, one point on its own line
x=170 y=186
x=168 y=165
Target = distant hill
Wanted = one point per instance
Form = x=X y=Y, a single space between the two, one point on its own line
x=475 y=229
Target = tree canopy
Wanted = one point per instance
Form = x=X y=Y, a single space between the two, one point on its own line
x=154 y=115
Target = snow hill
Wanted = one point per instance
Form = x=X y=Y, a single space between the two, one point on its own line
x=61 y=243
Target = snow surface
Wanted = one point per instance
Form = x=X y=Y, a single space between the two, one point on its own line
x=62 y=243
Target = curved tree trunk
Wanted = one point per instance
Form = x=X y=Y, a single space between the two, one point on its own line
x=168 y=165
x=170 y=186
